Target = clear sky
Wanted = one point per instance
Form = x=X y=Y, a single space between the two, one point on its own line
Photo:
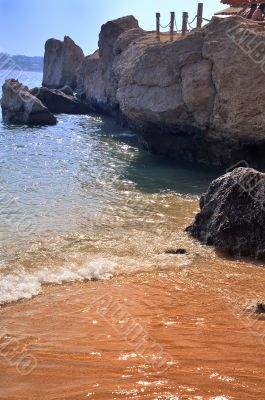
x=25 y=25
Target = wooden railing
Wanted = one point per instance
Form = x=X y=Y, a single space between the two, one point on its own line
x=185 y=23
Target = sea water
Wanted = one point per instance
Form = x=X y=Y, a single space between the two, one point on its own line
x=71 y=191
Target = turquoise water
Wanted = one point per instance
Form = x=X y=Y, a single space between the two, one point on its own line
x=71 y=195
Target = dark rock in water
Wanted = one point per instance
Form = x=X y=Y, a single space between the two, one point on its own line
x=260 y=308
x=232 y=214
x=20 y=107
x=60 y=103
x=62 y=61
x=257 y=310
x=176 y=251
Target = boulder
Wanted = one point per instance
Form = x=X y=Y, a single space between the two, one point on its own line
x=19 y=106
x=58 y=102
x=62 y=61
x=232 y=214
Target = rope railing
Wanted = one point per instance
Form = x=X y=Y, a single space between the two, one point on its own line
x=177 y=30
x=197 y=17
x=164 y=27
x=189 y=24
x=205 y=19
x=168 y=25
x=186 y=23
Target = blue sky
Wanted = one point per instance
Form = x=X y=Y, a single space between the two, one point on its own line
x=25 y=25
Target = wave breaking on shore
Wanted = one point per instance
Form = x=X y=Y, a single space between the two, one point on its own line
x=24 y=285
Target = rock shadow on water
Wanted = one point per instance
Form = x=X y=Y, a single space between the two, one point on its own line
x=148 y=172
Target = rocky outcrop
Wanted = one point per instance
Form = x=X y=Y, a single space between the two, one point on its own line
x=99 y=76
x=232 y=214
x=21 y=107
x=198 y=98
x=90 y=84
x=62 y=61
x=58 y=102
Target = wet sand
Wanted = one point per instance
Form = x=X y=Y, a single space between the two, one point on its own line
x=158 y=335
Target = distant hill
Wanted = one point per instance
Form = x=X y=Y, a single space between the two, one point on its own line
x=19 y=62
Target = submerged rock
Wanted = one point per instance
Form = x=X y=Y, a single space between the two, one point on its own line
x=259 y=308
x=19 y=106
x=62 y=61
x=176 y=251
x=256 y=309
x=58 y=102
x=232 y=214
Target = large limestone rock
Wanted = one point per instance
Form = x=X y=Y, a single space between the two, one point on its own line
x=21 y=107
x=109 y=34
x=161 y=87
x=90 y=84
x=198 y=99
x=232 y=214
x=62 y=61
x=60 y=103
x=234 y=46
x=99 y=76
x=201 y=98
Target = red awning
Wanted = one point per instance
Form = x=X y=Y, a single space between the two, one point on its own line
x=240 y=3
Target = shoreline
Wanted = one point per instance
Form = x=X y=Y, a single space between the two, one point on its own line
x=80 y=337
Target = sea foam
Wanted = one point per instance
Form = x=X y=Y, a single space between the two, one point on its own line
x=24 y=285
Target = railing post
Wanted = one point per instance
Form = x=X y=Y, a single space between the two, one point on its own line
x=184 y=23
x=172 y=23
x=199 y=15
x=158 y=26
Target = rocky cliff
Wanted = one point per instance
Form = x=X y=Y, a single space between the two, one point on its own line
x=198 y=98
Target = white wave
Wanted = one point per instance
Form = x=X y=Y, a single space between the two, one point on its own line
x=24 y=285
